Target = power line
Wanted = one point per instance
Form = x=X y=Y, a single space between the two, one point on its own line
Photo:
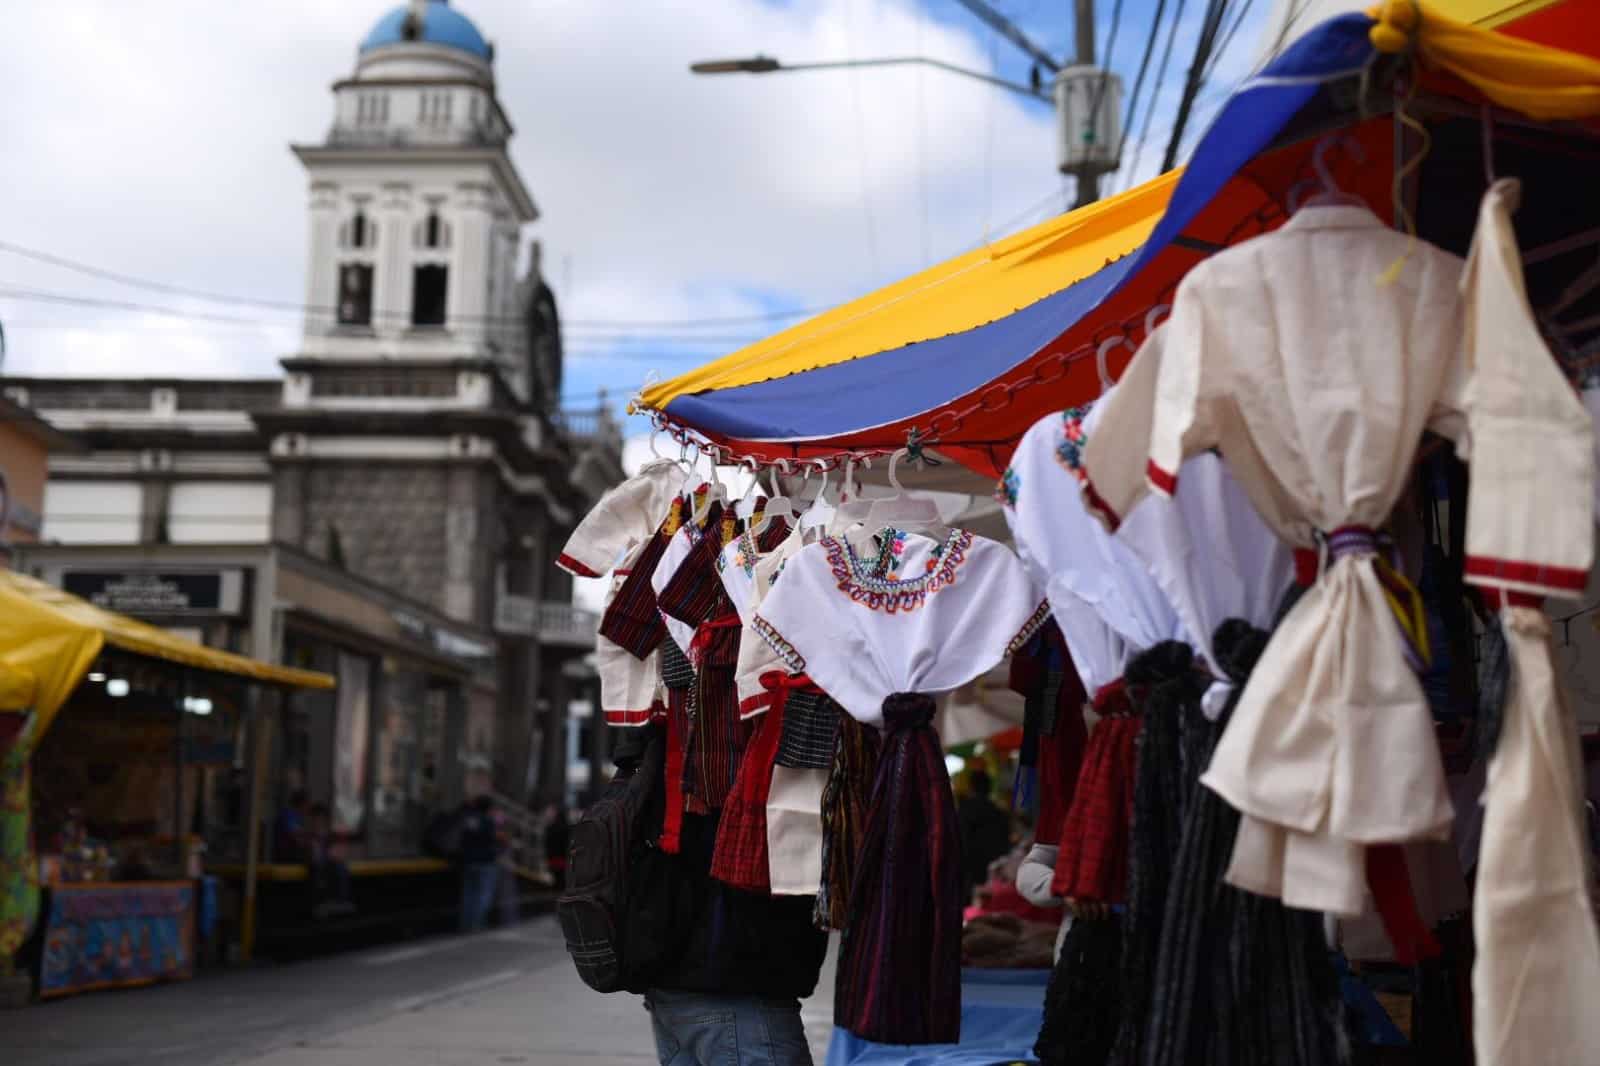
x=1227 y=38
x=285 y=306
x=1138 y=82
x=1155 y=97
x=1216 y=11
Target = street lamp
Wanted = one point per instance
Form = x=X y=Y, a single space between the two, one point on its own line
x=768 y=65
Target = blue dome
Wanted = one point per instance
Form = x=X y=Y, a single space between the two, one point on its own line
x=440 y=25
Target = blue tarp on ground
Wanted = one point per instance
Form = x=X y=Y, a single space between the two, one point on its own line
x=1000 y=1015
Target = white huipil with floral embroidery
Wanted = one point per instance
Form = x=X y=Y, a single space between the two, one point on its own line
x=944 y=612
x=1315 y=372
x=1207 y=548
x=616 y=528
x=794 y=802
x=747 y=574
x=1081 y=564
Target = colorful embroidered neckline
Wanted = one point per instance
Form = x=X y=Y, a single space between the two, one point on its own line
x=879 y=586
x=744 y=552
x=1069 y=450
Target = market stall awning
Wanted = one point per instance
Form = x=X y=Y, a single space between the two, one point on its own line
x=972 y=375
x=54 y=636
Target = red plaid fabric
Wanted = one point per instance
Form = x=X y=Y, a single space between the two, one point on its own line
x=1092 y=865
x=740 y=856
x=631 y=620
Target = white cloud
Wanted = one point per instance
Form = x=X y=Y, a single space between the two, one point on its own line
x=155 y=143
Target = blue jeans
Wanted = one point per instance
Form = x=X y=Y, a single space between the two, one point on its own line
x=477 y=894
x=698 y=1029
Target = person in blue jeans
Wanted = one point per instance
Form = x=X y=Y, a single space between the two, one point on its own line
x=480 y=867
x=700 y=1029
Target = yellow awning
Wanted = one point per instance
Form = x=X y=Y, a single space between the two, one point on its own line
x=54 y=636
x=960 y=294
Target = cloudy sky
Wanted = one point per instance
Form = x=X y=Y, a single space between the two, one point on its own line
x=152 y=140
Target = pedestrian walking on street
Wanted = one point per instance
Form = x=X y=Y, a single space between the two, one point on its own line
x=480 y=870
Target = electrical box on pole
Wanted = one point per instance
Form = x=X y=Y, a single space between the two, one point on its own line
x=1088 y=120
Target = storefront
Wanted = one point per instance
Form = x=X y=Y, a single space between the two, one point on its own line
x=124 y=744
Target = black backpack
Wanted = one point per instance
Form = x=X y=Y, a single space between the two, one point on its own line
x=615 y=914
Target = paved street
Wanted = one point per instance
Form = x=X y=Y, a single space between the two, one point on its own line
x=500 y=997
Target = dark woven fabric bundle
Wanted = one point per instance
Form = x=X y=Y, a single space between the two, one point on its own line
x=1166 y=688
x=844 y=812
x=899 y=978
x=810 y=726
x=1082 y=1001
x=1240 y=979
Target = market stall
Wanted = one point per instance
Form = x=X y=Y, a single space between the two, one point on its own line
x=1208 y=830
x=121 y=738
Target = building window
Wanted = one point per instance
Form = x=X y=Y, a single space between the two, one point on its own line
x=432 y=233
x=428 y=287
x=355 y=294
x=358 y=230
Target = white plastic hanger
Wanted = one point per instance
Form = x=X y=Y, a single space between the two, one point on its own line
x=902 y=510
x=852 y=509
x=777 y=502
x=1100 y=364
x=716 y=492
x=821 y=512
x=1327 y=191
x=747 y=503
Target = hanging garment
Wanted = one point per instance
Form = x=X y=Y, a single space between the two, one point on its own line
x=1220 y=946
x=1538 y=955
x=1207 y=548
x=622 y=519
x=740 y=855
x=1316 y=382
x=1092 y=864
x=881 y=642
x=620 y=526
x=1054 y=731
x=843 y=812
x=748 y=573
x=1062 y=544
x=678 y=549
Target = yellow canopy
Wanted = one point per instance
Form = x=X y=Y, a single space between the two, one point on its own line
x=960 y=294
x=49 y=637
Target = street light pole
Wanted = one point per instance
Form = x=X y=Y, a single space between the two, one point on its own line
x=769 y=65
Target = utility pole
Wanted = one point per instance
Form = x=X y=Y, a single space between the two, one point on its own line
x=1088 y=180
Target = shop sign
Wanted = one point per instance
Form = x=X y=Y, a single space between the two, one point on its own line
x=152 y=592
x=442 y=639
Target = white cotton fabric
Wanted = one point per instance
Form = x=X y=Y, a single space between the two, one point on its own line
x=618 y=527
x=1316 y=381
x=678 y=549
x=747 y=583
x=629 y=687
x=626 y=515
x=794 y=831
x=1207 y=549
x=1538 y=954
x=1538 y=957
x=1049 y=516
x=976 y=604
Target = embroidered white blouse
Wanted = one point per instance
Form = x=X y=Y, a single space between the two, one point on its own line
x=1078 y=563
x=945 y=612
x=747 y=574
x=1207 y=548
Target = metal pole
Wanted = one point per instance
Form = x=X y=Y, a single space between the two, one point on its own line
x=1088 y=180
x=260 y=765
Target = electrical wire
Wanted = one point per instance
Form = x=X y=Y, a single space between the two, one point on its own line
x=1216 y=11
x=1138 y=82
x=1155 y=97
x=152 y=285
x=1106 y=65
x=1227 y=39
